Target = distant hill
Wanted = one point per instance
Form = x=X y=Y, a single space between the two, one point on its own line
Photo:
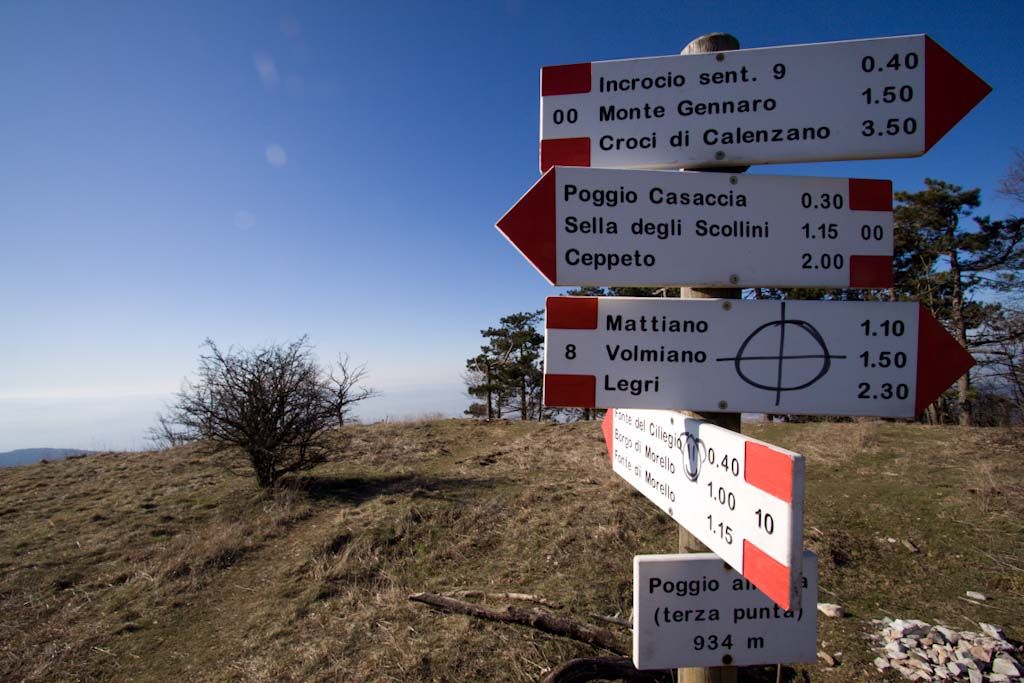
x=28 y=456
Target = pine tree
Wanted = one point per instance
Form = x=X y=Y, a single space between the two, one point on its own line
x=944 y=263
x=508 y=371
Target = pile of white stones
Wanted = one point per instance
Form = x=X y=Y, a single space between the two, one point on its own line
x=922 y=652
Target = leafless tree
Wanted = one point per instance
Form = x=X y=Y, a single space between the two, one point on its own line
x=167 y=434
x=273 y=403
x=1001 y=358
x=345 y=381
x=1011 y=185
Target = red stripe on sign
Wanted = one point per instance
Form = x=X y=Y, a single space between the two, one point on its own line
x=871 y=271
x=768 y=470
x=950 y=91
x=570 y=391
x=567 y=79
x=608 y=429
x=530 y=226
x=940 y=360
x=870 y=195
x=767 y=574
x=564 y=152
x=571 y=313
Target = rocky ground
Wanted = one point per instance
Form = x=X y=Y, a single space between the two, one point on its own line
x=922 y=652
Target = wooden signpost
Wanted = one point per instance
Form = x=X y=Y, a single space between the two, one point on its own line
x=589 y=226
x=719 y=107
x=855 y=99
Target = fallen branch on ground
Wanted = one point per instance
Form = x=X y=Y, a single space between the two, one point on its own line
x=533 y=617
x=526 y=597
x=618 y=621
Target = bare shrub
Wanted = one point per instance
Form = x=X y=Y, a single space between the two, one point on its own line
x=166 y=434
x=274 y=403
x=345 y=382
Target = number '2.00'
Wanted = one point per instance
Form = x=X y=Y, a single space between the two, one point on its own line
x=824 y=261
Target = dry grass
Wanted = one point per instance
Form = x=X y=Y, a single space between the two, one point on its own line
x=954 y=493
x=161 y=566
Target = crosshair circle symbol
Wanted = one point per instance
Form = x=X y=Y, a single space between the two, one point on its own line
x=694 y=453
x=814 y=365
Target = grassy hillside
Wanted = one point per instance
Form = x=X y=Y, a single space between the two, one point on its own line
x=164 y=566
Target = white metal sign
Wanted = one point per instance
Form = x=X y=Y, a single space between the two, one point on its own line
x=857 y=99
x=888 y=359
x=741 y=497
x=585 y=226
x=693 y=611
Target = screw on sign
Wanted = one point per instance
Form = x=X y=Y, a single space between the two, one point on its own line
x=857 y=99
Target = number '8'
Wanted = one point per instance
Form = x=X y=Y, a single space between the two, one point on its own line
x=570 y=351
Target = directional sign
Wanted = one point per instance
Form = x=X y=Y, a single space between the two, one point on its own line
x=742 y=498
x=693 y=611
x=857 y=99
x=890 y=359
x=588 y=226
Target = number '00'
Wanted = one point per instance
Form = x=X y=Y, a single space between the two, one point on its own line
x=560 y=116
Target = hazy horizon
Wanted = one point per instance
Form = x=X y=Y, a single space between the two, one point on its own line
x=116 y=423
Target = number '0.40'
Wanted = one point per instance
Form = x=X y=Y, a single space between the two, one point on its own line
x=896 y=62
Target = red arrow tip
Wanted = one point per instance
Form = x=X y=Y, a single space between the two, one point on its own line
x=940 y=360
x=950 y=91
x=607 y=429
x=530 y=225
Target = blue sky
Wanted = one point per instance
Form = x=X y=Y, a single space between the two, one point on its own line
x=251 y=172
